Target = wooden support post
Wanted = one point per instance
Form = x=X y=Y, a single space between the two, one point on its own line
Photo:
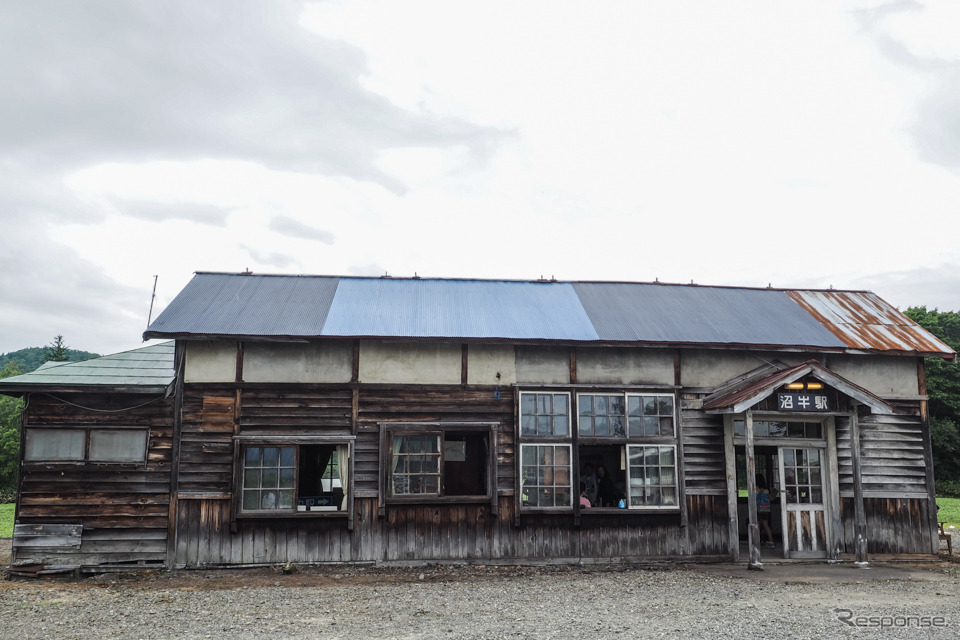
x=464 y=358
x=730 y=456
x=928 y=458
x=573 y=365
x=859 y=517
x=753 y=535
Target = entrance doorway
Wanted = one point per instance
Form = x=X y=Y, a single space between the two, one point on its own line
x=803 y=497
x=792 y=460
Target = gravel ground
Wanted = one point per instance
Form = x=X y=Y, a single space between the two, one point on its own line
x=689 y=601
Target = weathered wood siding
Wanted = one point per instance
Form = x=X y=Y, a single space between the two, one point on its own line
x=896 y=503
x=403 y=532
x=123 y=508
x=704 y=468
x=894 y=525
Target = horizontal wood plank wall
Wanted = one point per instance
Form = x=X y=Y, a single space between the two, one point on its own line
x=419 y=532
x=438 y=404
x=704 y=468
x=892 y=457
x=123 y=507
x=844 y=457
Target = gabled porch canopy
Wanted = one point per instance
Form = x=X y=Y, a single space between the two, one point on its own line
x=752 y=390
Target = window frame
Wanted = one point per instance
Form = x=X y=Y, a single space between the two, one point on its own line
x=441 y=429
x=620 y=441
x=87 y=432
x=242 y=442
x=660 y=467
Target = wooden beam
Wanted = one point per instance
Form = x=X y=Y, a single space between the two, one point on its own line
x=355 y=371
x=463 y=365
x=833 y=505
x=730 y=459
x=573 y=365
x=859 y=513
x=179 y=361
x=753 y=536
x=928 y=458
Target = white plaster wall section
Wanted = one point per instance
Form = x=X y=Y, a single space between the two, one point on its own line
x=884 y=376
x=405 y=363
x=624 y=365
x=210 y=362
x=484 y=362
x=326 y=361
x=707 y=368
x=543 y=365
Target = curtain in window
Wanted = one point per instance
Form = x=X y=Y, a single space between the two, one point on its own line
x=343 y=458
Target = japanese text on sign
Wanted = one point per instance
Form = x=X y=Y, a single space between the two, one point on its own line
x=803 y=402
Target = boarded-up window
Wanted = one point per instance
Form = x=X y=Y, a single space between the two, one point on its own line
x=128 y=445
x=55 y=444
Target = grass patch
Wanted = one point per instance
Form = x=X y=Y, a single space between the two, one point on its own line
x=6 y=520
x=949 y=511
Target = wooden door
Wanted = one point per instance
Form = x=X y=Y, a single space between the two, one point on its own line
x=803 y=476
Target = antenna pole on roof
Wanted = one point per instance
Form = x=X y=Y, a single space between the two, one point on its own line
x=153 y=297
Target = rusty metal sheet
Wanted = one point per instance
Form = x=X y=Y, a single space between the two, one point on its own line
x=862 y=320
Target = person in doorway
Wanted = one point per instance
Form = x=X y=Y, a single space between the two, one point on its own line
x=763 y=510
x=606 y=492
x=584 y=500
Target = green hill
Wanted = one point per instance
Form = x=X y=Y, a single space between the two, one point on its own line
x=32 y=357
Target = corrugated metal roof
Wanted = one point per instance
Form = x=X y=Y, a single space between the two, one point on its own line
x=695 y=314
x=249 y=305
x=458 y=309
x=862 y=320
x=246 y=305
x=147 y=369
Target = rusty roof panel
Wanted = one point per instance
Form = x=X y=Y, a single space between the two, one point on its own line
x=864 y=321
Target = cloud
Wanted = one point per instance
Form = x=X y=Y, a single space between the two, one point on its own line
x=190 y=211
x=104 y=83
x=934 y=287
x=180 y=80
x=936 y=122
x=296 y=229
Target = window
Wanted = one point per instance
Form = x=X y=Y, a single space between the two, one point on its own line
x=652 y=471
x=781 y=429
x=439 y=462
x=650 y=415
x=545 y=414
x=601 y=415
x=281 y=477
x=545 y=473
x=624 y=444
x=86 y=445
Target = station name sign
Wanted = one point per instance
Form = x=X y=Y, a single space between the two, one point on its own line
x=803 y=402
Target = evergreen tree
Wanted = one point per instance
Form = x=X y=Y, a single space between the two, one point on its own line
x=56 y=351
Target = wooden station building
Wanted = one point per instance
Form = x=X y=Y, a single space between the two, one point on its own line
x=313 y=419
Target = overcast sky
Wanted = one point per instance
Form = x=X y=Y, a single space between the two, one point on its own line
x=810 y=144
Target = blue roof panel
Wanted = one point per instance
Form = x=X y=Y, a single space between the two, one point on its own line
x=420 y=308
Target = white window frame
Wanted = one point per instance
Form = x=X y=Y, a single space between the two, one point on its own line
x=633 y=488
x=525 y=488
x=672 y=416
